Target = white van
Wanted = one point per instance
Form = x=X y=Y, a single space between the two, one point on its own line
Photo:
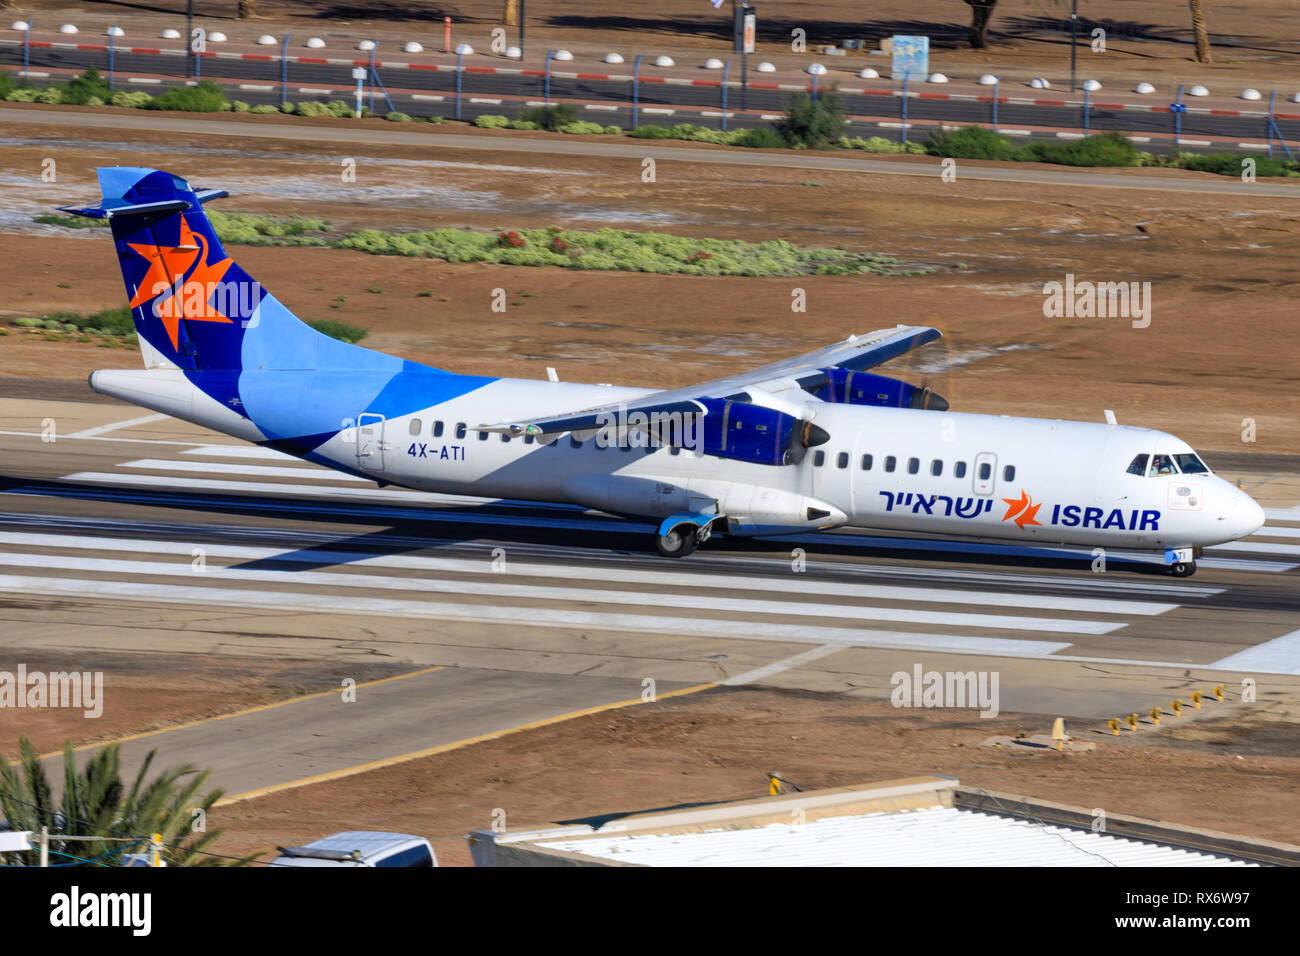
x=360 y=848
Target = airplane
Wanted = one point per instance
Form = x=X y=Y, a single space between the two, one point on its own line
x=809 y=443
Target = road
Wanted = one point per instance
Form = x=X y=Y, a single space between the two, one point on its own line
x=494 y=85
x=391 y=134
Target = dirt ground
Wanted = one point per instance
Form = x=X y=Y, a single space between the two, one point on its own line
x=1253 y=40
x=1223 y=271
x=718 y=745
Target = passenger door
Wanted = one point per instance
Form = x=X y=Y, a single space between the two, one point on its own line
x=370 y=441
x=985 y=472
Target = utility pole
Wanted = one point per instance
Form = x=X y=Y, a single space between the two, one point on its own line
x=189 y=36
x=1074 y=40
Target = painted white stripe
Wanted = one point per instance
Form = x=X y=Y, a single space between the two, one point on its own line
x=597 y=106
x=1016 y=132
x=314 y=89
x=1282 y=514
x=771 y=116
x=1274 y=531
x=239 y=451
x=650 y=582
x=1140 y=139
x=1194 y=142
x=479 y=99
x=427 y=96
x=259 y=87
x=1251 y=564
x=114 y=426
x=777 y=667
x=655 y=109
x=1257 y=547
x=142 y=79
x=1252 y=145
x=306 y=471
x=152 y=593
x=141 y=441
x=1069 y=135
x=534 y=592
x=1278 y=656
x=33 y=73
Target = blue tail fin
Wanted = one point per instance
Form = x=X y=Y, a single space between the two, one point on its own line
x=194 y=307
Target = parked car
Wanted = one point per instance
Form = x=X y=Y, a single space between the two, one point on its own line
x=360 y=848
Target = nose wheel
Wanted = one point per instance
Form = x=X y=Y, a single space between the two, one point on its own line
x=1182 y=569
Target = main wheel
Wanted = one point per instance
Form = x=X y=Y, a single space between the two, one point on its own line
x=1182 y=569
x=678 y=542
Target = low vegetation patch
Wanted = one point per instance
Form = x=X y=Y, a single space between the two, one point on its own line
x=108 y=328
x=339 y=330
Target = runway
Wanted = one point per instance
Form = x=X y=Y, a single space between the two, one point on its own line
x=138 y=533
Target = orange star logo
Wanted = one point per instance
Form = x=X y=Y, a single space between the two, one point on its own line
x=167 y=268
x=1022 y=509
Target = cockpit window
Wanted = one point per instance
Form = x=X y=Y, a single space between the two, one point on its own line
x=1191 y=465
x=1139 y=466
x=1162 y=465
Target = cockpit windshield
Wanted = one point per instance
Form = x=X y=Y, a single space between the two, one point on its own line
x=1161 y=465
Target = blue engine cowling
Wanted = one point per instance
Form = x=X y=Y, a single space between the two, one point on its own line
x=755 y=434
x=844 y=386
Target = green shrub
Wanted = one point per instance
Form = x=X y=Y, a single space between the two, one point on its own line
x=71 y=222
x=28 y=323
x=970 y=142
x=310 y=108
x=10 y=82
x=206 y=97
x=25 y=95
x=50 y=95
x=338 y=330
x=1105 y=149
x=262 y=109
x=89 y=86
x=814 y=124
x=491 y=121
x=522 y=124
x=878 y=144
x=760 y=137
x=397 y=117
x=552 y=117
x=581 y=127
x=239 y=106
x=132 y=99
x=1229 y=164
x=340 y=109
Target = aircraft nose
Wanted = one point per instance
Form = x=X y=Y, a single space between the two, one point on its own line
x=1245 y=516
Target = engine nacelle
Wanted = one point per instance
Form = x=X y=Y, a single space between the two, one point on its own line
x=844 y=386
x=763 y=436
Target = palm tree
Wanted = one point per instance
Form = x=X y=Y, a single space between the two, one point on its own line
x=1203 y=54
x=96 y=804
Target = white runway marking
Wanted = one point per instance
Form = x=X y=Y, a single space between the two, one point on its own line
x=239 y=451
x=1273 y=531
x=114 y=426
x=1278 y=656
x=527 y=592
x=650 y=582
x=304 y=470
x=524 y=616
x=783 y=665
x=1258 y=547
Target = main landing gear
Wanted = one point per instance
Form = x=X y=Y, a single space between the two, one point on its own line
x=682 y=533
x=1182 y=569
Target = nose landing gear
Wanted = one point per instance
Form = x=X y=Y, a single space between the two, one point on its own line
x=1182 y=569
x=1182 y=561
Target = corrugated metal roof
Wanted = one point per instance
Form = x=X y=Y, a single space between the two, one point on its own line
x=932 y=836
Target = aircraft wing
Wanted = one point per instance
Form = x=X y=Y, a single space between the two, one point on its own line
x=762 y=386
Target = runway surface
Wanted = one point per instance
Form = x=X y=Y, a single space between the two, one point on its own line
x=135 y=532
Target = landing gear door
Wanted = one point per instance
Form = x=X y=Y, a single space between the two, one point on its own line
x=986 y=467
x=370 y=442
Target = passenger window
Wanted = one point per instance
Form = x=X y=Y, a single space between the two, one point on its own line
x=890 y=462
x=437 y=429
x=505 y=437
x=913 y=465
x=959 y=469
x=986 y=471
x=528 y=439
x=1191 y=465
x=415 y=426
x=842 y=460
x=1009 y=473
x=1138 y=466
x=1163 y=465
x=866 y=462
x=819 y=458
x=483 y=436
x=460 y=429
x=936 y=468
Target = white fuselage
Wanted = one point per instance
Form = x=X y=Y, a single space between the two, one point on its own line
x=942 y=473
